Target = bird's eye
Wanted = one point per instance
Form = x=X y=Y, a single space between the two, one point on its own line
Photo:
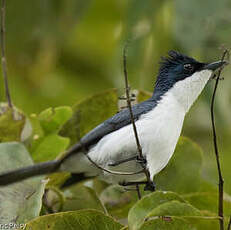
x=188 y=67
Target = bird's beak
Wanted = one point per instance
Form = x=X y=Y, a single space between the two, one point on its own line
x=214 y=65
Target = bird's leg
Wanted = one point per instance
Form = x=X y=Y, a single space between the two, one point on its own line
x=149 y=185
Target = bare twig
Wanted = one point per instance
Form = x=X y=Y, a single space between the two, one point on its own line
x=138 y=191
x=221 y=181
x=146 y=171
x=229 y=225
x=4 y=64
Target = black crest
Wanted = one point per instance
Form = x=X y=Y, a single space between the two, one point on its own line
x=174 y=58
x=173 y=68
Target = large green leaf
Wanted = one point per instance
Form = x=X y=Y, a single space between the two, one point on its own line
x=172 y=213
x=89 y=113
x=174 y=208
x=183 y=172
x=19 y=202
x=12 y=123
x=142 y=209
x=81 y=220
x=173 y=223
x=182 y=222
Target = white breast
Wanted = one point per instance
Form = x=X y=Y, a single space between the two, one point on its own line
x=162 y=129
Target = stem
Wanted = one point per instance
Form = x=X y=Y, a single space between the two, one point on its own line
x=138 y=191
x=221 y=181
x=146 y=171
x=3 y=59
x=229 y=225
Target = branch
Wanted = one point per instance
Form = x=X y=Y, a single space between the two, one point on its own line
x=3 y=59
x=221 y=181
x=229 y=225
x=127 y=88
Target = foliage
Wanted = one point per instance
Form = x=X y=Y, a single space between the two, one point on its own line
x=21 y=201
x=82 y=220
x=68 y=50
x=11 y=124
x=185 y=202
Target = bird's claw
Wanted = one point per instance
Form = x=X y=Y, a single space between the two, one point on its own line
x=150 y=186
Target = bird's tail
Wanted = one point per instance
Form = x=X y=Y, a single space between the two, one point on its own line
x=30 y=171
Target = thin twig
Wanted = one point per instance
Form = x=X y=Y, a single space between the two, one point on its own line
x=138 y=191
x=146 y=171
x=3 y=48
x=221 y=181
x=229 y=225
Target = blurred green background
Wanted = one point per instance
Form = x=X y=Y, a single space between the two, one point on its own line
x=61 y=51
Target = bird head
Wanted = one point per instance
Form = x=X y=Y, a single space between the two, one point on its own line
x=183 y=77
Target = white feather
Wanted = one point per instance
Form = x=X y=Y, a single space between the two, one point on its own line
x=158 y=131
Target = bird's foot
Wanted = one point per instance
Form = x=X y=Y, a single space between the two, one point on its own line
x=150 y=186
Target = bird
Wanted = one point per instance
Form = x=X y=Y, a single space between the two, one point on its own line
x=112 y=145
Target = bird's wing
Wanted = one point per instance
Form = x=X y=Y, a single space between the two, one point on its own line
x=116 y=122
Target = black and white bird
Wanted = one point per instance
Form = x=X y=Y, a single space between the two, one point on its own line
x=159 y=121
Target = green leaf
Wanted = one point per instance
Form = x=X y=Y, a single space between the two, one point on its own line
x=81 y=197
x=183 y=172
x=12 y=122
x=89 y=113
x=124 y=228
x=173 y=223
x=50 y=147
x=52 y=119
x=19 y=202
x=118 y=201
x=58 y=179
x=45 y=143
x=208 y=201
x=143 y=95
x=37 y=132
x=206 y=222
x=99 y=186
x=141 y=210
x=81 y=220
x=174 y=208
